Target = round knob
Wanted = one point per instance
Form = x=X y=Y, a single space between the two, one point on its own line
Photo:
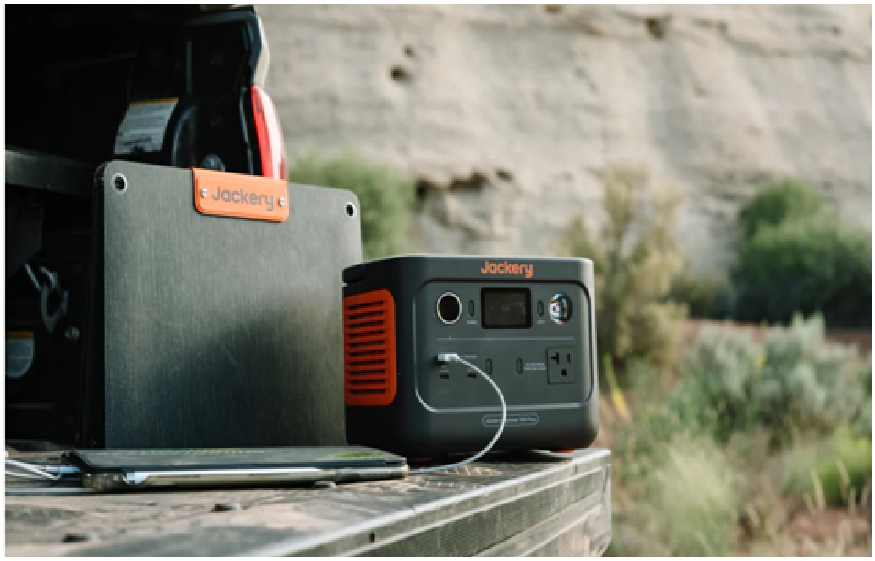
x=560 y=308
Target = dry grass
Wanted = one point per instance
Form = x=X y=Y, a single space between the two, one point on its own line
x=772 y=524
x=807 y=530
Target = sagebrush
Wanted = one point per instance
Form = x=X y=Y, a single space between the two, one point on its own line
x=793 y=382
x=636 y=254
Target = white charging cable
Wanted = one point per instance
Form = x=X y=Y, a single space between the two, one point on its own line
x=446 y=358
x=36 y=472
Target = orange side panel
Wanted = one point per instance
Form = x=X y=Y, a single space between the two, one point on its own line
x=240 y=196
x=369 y=348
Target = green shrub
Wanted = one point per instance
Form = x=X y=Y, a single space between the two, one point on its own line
x=783 y=202
x=718 y=374
x=644 y=438
x=840 y=469
x=636 y=255
x=384 y=197
x=795 y=257
x=791 y=382
x=863 y=423
x=849 y=471
x=708 y=296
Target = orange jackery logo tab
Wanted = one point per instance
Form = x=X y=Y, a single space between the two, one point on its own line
x=240 y=196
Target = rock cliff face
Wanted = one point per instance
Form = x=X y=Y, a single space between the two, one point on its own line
x=507 y=115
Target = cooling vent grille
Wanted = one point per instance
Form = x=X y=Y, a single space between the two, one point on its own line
x=369 y=348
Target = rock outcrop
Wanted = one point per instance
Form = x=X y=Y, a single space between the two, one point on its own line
x=507 y=115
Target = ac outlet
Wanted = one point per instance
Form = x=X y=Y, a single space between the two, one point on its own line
x=561 y=366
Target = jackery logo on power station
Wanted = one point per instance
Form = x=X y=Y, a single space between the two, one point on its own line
x=506 y=268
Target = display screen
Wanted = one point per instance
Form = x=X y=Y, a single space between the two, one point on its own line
x=506 y=308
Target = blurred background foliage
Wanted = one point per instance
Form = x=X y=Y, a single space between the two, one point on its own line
x=791 y=384
x=636 y=254
x=724 y=437
x=794 y=255
x=749 y=432
x=385 y=197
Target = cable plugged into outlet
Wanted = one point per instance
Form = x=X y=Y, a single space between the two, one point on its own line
x=447 y=358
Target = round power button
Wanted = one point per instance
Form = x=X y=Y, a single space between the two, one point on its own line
x=449 y=308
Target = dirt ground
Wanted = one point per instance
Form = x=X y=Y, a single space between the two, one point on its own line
x=806 y=532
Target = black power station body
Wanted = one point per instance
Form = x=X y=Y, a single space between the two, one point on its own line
x=528 y=323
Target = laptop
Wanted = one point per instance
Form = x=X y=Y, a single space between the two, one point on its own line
x=110 y=470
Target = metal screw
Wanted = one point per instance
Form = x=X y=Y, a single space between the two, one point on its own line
x=72 y=333
x=282 y=201
x=226 y=507
x=204 y=192
x=120 y=182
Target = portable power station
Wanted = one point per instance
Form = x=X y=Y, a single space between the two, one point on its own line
x=526 y=322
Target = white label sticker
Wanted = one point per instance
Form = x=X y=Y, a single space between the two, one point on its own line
x=493 y=420
x=19 y=355
x=144 y=126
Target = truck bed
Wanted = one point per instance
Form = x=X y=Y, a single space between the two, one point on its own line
x=512 y=505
